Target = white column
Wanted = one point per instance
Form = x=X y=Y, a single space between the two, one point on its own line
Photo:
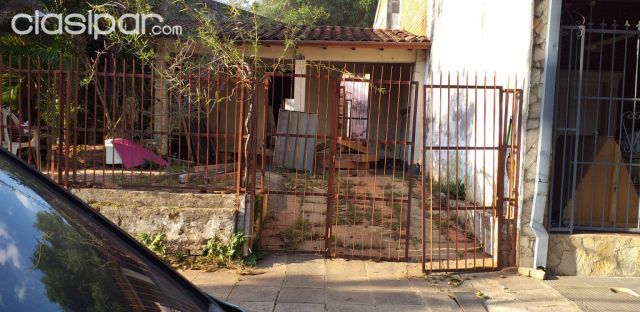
x=300 y=88
x=418 y=76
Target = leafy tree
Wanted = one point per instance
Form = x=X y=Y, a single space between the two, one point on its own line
x=326 y=12
x=230 y=34
x=65 y=49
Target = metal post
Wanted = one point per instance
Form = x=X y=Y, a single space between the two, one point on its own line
x=410 y=175
x=577 y=131
x=331 y=196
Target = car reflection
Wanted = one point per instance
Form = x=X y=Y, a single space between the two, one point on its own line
x=55 y=257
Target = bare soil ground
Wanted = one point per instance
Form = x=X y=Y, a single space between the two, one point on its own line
x=370 y=220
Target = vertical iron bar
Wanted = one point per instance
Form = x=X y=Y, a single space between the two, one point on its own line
x=578 y=114
x=413 y=111
x=60 y=121
x=635 y=97
x=332 y=168
x=500 y=178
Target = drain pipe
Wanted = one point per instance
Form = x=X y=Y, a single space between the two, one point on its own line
x=541 y=187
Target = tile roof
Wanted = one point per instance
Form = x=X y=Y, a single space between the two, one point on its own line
x=270 y=31
x=340 y=33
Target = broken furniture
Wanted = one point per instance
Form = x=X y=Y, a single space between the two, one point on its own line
x=13 y=132
x=352 y=151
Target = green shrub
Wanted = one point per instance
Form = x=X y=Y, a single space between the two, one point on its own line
x=215 y=248
x=156 y=243
x=454 y=190
x=296 y=233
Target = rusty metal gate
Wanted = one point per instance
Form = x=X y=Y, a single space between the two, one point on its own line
x=337 y=168
x=339 y=176
x=471 y=130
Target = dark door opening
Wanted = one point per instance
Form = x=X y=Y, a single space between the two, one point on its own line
x=279 y=90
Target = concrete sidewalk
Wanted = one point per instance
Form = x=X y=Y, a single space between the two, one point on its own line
x=311 y=283
x=591 y=293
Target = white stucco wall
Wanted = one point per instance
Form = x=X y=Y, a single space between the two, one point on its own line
x=472 y=37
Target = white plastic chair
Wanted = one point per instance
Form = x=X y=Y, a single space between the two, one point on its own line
x=14 y=147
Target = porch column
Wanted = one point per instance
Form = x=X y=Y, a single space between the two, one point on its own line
x=299 y=89
x=419 y=77
x=161 y=103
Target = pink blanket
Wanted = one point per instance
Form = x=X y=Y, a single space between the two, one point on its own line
x=134 y=155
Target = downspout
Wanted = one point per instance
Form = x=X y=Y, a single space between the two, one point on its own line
x=541 y=187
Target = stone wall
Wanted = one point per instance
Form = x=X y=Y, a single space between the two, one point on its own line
x=594 y=254
x=187 y=220
x=532 y=133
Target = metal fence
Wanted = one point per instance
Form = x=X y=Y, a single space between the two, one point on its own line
x=596 y=173
x=345 y=160
x=471 y=130
x=119 y=125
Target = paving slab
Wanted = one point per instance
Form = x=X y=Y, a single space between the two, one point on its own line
x=190 y=274
x=349 y=296
x=350 y=308
x=250 y=293
x=301 y=295
x=347 y=281
x=398 y=297
x=305 y=265
x=345 y=268
x=299 y=307
x=257 y=306
x=218 y=278
x=309 y=281
x=273 y=262
x=400 y=308
x=219 y=292
x=594 y=293
x=381 y=270
x=515 y=293
x=439 y=301
x=267 y=279
x=391 y=284
x=469 y=301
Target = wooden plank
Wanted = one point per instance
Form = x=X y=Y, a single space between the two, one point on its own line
x=322 y=146
x=347 y=143
x=200 y=169
x=347 y=165
x=354 y=157
x=353 y=145
x=213 y=175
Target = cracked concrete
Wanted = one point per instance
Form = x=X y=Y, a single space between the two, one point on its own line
x=294 y=282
